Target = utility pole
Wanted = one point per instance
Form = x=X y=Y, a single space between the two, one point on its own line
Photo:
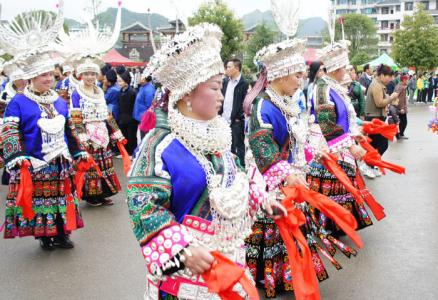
x=151 y=34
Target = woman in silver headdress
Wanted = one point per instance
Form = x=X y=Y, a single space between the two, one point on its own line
x=187 y=196
x=38 y=146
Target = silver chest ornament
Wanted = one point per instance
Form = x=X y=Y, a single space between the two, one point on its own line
x=53 y=136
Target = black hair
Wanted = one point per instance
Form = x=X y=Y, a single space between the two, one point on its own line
x=58 y=66
x=313 y=70
x=384 y=70
x=366 y=67
x=237 y=63
x=149 y=78
x=105 y=69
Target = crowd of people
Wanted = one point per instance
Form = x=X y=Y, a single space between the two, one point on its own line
x=231 y=185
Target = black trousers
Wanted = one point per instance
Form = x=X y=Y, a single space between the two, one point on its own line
x=129 y=131
x=430 y=94
x=238 y=140
x=403 y=123
x=378 y=141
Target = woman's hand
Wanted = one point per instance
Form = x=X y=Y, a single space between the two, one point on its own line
x=294 y=180
x=275 y=210
x=200 y=261
x=357 y=151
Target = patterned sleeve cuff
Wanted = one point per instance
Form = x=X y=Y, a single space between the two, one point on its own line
x=117 y=136
x=81 y=155
x=277 y=174
x=160 y=253
x=340 y=143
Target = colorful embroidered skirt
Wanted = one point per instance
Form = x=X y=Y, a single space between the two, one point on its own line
x=49 y=203
x=98 y=188
x=322 y=181
x=267 y=259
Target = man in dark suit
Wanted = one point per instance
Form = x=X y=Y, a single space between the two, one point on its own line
x=234 y=90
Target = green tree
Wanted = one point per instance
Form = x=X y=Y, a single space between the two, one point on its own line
x=416 y=44
x=361 y=31
x=217 y=12
x=361 y=58
x=263 y=36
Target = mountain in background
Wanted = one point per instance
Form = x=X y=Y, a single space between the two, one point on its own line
x=108 y=18
x=307 y=27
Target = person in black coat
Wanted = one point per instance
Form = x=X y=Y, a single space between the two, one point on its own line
x=234 y=90
x=128 y=125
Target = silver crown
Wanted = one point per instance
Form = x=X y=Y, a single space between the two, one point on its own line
x=334 y=56
x=187 y=60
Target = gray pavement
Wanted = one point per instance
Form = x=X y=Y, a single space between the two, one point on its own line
x=399 y=260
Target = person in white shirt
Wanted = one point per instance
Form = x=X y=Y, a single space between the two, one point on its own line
x=234 y=90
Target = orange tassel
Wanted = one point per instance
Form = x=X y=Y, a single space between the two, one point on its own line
x=376 y=208
x=25 y=191
x=125 y=156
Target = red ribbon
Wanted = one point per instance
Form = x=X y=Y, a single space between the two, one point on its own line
x=71 y=207
x=125 y=156
x=330 y=162
x=377 y=126
x=300 y=257
x=373 y=158
x=223 y=276
x=25 y=191
x=82 y=168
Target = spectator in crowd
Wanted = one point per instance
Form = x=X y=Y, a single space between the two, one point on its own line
x=316 y=71
x=136 y=79
x=101 y=77
x=112 y=93
x=128 y=125
x=144 y=99
x=390 y=87
x=355 y=91
x=435 y=84
x=59 y=76
x=412 y=86
x=377 y=101
x=420 y=88
x=367 y=77
x=431 y=87
x=402 y=107
x=234 y=90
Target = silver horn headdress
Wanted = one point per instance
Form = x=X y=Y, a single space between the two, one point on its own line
x=27 y=37
x=83 y=49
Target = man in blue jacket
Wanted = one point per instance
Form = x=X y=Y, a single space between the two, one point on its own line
x=112 y=94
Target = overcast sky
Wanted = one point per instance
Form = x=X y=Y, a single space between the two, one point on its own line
x=75 y=8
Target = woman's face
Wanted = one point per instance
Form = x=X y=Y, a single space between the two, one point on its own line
x=89 y=78
x=353 y=74
x=205 y=100
x=339 y=74
x=320 y=72
x=385 y=78
x=121 y=82
x=290 y=84
x=43 y=82
x=20 y=84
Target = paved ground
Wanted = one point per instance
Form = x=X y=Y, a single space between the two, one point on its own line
x=399 y=261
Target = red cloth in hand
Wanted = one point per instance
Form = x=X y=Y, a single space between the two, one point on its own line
x=223 y=276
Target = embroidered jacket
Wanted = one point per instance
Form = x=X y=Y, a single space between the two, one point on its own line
x=335 y=114
x=21 y=135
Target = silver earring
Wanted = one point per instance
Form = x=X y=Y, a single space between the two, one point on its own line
x=189 y=106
